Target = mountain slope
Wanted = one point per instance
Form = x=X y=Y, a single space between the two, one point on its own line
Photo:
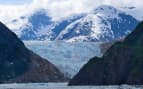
x=41 y=26
x=105 y=23
x=18 y=64
x=32 y=31
x=121 y=64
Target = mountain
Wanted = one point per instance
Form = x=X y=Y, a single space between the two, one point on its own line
x=41 y=27
x=105 y=23
x=18 y=64
x=121 y=64
x=37 y=27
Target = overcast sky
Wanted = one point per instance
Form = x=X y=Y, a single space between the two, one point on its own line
x=8 y=2
x=13 y=9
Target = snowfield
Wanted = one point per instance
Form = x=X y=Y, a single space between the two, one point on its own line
x=63 y=86
x=68 y=57
x=104 y=23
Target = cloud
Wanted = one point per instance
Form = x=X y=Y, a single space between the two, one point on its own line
x=63 y=8
x=6 y=2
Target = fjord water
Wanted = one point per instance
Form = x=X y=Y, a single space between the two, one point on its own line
x=62 y=86
x=68 y=57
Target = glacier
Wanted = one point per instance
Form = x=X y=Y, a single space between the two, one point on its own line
x=68 y=57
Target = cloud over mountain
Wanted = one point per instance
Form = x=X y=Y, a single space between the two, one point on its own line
x=63 y=8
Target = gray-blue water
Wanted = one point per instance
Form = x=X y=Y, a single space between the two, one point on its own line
x=62 y=86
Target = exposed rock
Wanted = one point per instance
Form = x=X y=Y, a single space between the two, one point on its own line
x=106 y=45
x=18 y=64
x=121 y=64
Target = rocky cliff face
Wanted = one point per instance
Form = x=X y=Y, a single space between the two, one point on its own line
x=121 y=64
x=18 y=64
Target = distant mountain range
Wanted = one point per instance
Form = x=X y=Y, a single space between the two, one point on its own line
x=105 y=23
x=121 y=64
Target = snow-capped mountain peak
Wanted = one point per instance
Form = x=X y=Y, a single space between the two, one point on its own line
x=107 y=11
x=105 y=23
x=88 y=24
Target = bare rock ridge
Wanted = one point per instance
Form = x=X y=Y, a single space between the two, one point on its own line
x=20 y=65
x=121 y=64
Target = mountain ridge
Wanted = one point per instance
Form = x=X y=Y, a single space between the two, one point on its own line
x=105 y=23
x=121 y=64
x=20 y=65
